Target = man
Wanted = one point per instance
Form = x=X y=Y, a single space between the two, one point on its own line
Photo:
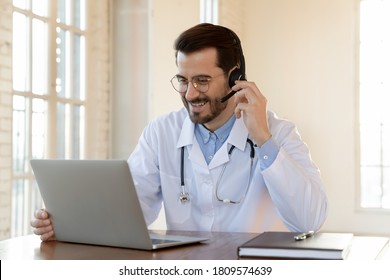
x=221 y=165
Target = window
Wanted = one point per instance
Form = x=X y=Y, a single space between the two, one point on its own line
x=374 y=102
x=49 y=93
x=209 y=11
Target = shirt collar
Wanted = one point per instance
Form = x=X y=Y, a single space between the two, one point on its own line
x=221 y=133
x=237 y=136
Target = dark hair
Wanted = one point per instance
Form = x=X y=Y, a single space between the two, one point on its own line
x=207 y=35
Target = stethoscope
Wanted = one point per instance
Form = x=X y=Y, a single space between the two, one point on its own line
x=185 y=197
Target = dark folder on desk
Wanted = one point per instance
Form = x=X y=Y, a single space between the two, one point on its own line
x=282 y=245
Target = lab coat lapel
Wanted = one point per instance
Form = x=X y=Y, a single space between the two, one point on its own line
x=237 y=137
x=187 y=138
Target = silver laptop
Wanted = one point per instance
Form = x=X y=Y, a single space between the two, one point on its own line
x=95 y=202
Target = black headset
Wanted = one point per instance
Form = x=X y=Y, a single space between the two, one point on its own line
x=237 y=73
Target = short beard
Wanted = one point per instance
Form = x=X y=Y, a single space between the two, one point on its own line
x=216 y=108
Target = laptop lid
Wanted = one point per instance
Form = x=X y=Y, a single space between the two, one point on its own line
x=95 y=202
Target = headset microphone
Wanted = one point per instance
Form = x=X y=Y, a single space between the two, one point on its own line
x=233 y=92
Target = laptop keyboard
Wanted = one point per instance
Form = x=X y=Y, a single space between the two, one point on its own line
x=162 y=241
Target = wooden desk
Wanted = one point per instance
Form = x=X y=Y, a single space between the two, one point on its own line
x=220 y=246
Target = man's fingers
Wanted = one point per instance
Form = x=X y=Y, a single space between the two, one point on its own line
x=48 y=236
x=43 y=230
x=40 y=223
x=41 y=214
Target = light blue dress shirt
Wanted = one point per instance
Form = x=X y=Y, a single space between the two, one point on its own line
x=210 y=142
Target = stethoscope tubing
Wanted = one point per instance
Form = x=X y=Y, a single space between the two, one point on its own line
x=184 y=196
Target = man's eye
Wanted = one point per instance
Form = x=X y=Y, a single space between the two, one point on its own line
x=202 y=80
x=182 y=80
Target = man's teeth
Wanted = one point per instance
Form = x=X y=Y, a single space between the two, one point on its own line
x=198 y=104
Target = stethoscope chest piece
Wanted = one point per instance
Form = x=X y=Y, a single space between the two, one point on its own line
x=184 y=197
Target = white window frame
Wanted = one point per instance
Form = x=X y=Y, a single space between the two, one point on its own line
x=209 y=10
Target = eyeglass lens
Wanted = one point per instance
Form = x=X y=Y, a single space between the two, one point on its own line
x=180 y=84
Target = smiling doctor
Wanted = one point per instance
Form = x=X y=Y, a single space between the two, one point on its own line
x=224 y=162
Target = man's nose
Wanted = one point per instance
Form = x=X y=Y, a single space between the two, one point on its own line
x=191 y=92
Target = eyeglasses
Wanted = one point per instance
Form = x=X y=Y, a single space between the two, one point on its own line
x=200 y=83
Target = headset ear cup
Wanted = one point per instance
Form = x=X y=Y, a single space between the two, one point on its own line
x=235 y=75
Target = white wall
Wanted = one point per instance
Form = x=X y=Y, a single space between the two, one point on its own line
x=168 y=19
x=130 y=74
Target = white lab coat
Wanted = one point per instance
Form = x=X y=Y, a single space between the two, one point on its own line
x=287 y=195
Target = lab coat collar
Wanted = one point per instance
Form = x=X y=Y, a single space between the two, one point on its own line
x=237 y=137
x=187 y=133
x=187 y=138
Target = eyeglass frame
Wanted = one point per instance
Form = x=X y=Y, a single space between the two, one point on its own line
x=194 y=83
